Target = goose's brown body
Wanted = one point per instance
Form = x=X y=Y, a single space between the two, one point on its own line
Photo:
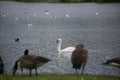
x=30 y=62
x=79 y=57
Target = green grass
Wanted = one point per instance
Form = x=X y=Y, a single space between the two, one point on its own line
x=47 y=76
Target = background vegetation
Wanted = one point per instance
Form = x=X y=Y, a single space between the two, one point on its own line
x=67 y=1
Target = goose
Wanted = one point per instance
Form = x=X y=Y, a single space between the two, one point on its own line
x=115 y=61
x=66 y=52
x=1 y=66
x=26 y=52
x=17 y=40
x=79 y=58
x=30 y=62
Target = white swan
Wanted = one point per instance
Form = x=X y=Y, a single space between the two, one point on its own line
x=67 y=52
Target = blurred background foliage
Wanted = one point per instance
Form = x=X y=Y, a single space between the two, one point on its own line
x=66 y=1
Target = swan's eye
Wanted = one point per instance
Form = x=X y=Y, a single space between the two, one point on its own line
x=57 y=40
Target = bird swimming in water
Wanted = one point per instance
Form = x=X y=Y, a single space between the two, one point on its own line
x=17 y=40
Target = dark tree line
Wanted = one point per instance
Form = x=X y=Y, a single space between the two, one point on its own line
x=67 y=1
x=90 y=1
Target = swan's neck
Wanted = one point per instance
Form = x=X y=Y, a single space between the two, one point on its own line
x=59 y=46
x=59 y=53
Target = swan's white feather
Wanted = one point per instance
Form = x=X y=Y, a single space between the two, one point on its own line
x=68 y=49
x=64 y=53
x=67 y=52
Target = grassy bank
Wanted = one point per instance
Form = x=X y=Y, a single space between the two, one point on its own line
x=46 y=76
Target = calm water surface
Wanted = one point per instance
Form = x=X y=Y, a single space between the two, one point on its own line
x=38 y=25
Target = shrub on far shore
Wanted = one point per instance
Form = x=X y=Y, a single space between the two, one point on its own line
x=66 y=1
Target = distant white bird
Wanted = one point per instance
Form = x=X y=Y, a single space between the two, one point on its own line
x=47 y=12
x=30 y=24
x=16 y=18
x=67 y=52
x=4 y=15
x=7 y=14
x=54 y=16
x=67 y=15
x=96 y=13
x=35 y=14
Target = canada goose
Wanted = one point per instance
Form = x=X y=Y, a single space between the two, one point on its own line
x=79 y=57
x=66 y=52
x=29 y=62
x=25 y=53
x=17 y=40
x=115 y=60
x=1 y=66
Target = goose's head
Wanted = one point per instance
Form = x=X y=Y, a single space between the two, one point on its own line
x=79 y=46
x=26 y=52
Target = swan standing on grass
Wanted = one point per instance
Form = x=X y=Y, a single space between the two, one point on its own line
x=67 y=52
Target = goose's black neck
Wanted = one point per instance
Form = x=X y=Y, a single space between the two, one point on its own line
x=26 y=52
x=16 y=64
x=15 y=67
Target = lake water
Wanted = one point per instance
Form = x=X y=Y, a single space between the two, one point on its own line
x=39 y=25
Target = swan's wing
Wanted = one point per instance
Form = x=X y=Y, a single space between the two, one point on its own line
x=68 y=49
x=67 y=52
